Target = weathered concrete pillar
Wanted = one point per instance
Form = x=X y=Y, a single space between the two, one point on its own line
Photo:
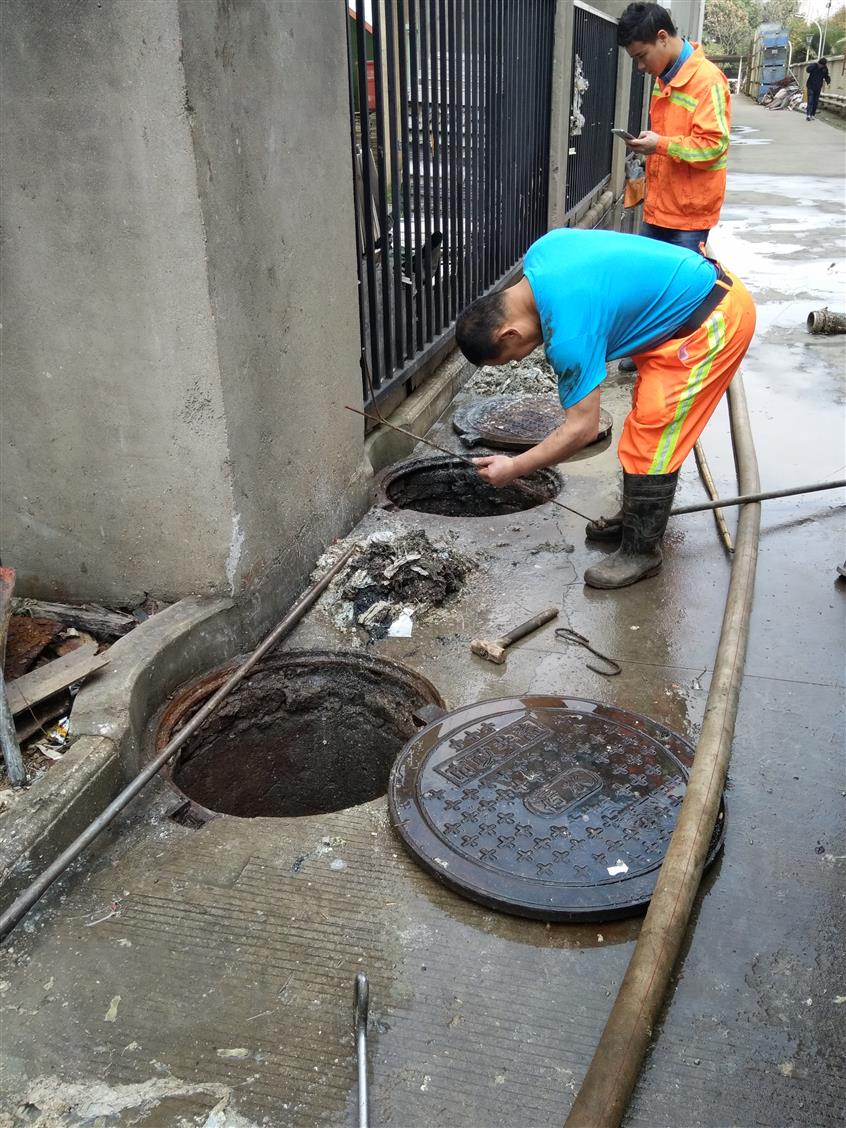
x=179 y=295
x=559 y=121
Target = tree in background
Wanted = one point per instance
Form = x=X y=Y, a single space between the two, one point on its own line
x=730 y=24
x=726 y=28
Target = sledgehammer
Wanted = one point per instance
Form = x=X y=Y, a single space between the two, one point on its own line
x=494 y=648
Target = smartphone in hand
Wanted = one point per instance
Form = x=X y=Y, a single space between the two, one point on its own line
x=624 y=133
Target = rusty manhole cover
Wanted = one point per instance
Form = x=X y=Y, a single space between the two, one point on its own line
x=546 y=807
x=514 y=422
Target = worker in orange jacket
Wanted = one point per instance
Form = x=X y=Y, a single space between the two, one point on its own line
x=686 y=146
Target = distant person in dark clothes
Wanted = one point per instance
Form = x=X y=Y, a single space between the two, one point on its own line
x=817 y=75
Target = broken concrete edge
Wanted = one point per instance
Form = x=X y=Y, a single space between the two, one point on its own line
x=57 y=808
x=418 y=413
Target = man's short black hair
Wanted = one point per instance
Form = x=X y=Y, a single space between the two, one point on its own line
x=476 y=327
x=640 y=23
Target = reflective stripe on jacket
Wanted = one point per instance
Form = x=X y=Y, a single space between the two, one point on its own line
x=686 y=175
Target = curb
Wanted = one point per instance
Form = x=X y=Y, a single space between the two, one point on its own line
x=418 y=413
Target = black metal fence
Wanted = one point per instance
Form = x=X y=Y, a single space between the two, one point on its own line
x=595 y=56
x=450 y=109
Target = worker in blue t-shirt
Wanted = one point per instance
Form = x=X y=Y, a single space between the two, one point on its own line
x=593 y=296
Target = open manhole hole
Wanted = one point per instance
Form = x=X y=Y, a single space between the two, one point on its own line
x=547 y=807
x=515 y=422
x=306 y=732
x=450 y=488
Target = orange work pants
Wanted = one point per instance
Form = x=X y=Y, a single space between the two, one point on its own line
x=679 y=384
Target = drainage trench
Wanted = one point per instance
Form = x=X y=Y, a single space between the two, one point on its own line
x=305 y=733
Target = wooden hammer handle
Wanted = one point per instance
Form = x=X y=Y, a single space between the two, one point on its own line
x=527 y=627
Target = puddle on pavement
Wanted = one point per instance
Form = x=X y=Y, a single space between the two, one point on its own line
x=450 y=488
x=305 y=733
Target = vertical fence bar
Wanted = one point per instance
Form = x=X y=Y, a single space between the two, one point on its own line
x=367 y=201
x=412 y=235
x=434 y=152
x=402 y=246
x=473 y=9
x=398 y=171
x=536 y=47
x=456 y=243
x=447 y=224
x=389 y=362
x=359 y=206
x=487 y=239
x=423 y=241
x=459 y=158
x=504 y=110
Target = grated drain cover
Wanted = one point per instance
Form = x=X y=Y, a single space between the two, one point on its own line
x=514 y=422
x=546 y=807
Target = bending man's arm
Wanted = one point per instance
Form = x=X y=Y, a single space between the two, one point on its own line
x=579 y=428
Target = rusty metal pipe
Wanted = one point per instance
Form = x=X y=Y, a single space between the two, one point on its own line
x=824 y=321
x=33 y=892
x=745 y=499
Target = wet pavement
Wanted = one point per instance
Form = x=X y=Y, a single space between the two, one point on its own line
x=178 y=971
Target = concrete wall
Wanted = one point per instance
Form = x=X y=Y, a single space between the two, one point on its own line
x=178 y=295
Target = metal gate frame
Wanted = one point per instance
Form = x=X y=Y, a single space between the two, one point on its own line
x=461 y=94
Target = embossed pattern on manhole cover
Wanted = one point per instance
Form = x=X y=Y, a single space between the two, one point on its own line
x=514 y=422
x=546 y=807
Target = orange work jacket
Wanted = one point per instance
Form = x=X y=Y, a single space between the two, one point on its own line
x=686 y=175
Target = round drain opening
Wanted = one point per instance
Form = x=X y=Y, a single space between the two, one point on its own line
x=450 y=488
x=546 y=807
x=305 y=733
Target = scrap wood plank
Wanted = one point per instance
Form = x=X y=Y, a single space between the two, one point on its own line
x=44 y=681
x=86 y=617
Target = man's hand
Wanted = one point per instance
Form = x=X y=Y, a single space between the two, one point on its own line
x=646 y=143
x=498 y=469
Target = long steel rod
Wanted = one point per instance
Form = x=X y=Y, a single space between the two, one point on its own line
x=711 y=487
x=745 y=499
x=518 y=483
x=361 y=1004
x=34 y=891
x=605 y=1092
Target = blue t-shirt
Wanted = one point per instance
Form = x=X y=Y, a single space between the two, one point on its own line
x=602 y=294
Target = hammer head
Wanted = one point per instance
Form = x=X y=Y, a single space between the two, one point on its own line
x=488 y=648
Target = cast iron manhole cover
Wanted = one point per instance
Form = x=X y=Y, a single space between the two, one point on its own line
x=514 y=422
x=546 y=807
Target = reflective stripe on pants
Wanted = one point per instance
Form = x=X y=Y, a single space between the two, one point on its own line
x=679 y=384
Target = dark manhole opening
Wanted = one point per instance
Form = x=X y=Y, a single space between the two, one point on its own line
x=451 y=488
x=305 y=733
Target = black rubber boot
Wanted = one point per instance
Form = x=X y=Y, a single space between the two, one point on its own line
x=606 y=528
x=647 y=501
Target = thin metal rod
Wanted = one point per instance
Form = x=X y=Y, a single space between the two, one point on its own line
x=518 y=482
x=744 y=499
x=711 y=487
x=33 y=892
x=361 y=1004
x=9 y=740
